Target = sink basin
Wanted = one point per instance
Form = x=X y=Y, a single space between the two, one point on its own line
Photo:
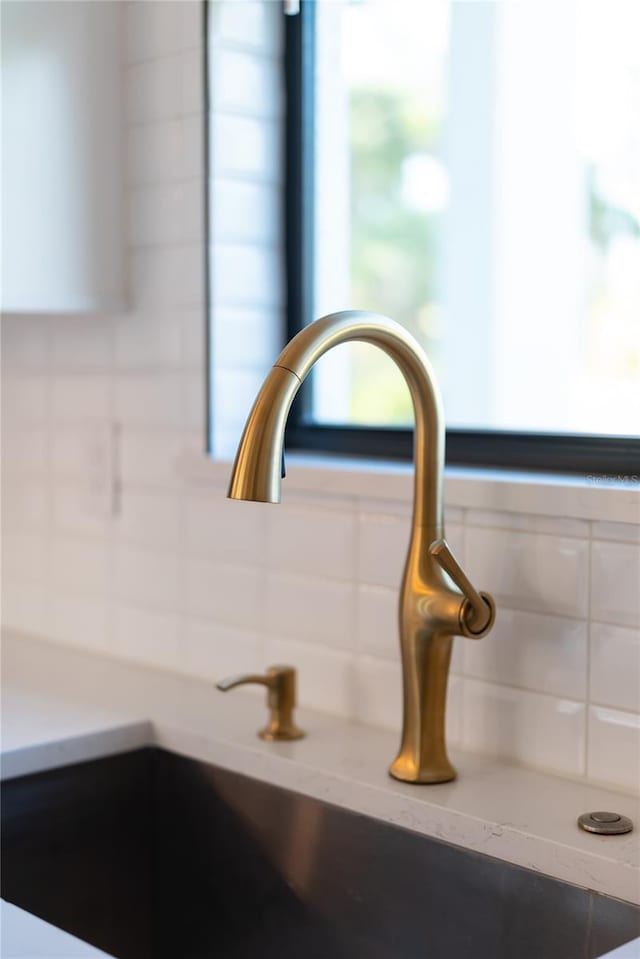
x=150 y=855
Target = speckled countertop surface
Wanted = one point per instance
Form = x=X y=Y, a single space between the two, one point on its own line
x=62 y=706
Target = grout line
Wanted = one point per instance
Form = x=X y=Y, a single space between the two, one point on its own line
x=129 y=64
x=516 y=687
x=226 y=44
x=132 y=124
x=588 y=651
x=464 y=560
x=616 y=709
x=49 y=426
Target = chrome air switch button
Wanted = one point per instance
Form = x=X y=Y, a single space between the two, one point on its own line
x=605 y=823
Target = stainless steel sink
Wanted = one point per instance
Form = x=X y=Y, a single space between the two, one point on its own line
x=150 y=855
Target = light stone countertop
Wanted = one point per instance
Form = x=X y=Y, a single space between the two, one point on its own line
x=630 y=950
x=23 y=936
x=62 y=706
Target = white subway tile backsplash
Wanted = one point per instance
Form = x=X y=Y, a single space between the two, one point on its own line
x=160 y=29
x=245 y=338
x=191 y=82
x=155 y=153
x=453 y=516
x=194 y=384
x=454 y=728
x=73 y=448
x=252 y=24
x=311 y=609
x=382 y=549
x=246 y=83
x=456 y=538
x=543 y=653
x=311 y=541
x=194 y=338
x=190 y=27
x=79 y=343
x=615 y=666
x=148 y=637
x=247 y=276
x=81 y=397
x=168 y=277
x=226 y=594
x=80 y=509
x=149 y=518
x=326 y=677
x=247 y=147
x=383 y=543
x=165 y=88
x=620 y=532
x=378 y=697
x=81 y=565
x=24 y=505
x=225 y=530
x=245 y=212
x=614 y=748
x=165 y=151
x=24 y=400
x=378 y=693
x=149 y=400
x=25 y=607
x=525 y=727
x=615 y=583
x=78 y=621
x=152 y=457
x=214 y=652
x=149 y=341
x=388 y=507
x=558 y=526
x=193 y=147
x=24 y=345
x=457 y=653
x=148 y=577
x=529 y=571
x=24 y=451
x=378 y=629
x=160 y=215
x=153 y=90
x=25 y=556
x=233 y=396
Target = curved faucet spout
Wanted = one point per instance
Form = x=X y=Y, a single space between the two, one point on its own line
x=257 y=469
x=431 y=610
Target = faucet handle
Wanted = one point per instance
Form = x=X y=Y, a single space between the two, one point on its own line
x=281 y=699
x=478 y=612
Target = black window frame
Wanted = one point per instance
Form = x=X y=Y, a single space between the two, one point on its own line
x=611 y=456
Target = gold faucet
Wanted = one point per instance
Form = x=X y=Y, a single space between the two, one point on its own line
x=432 y=611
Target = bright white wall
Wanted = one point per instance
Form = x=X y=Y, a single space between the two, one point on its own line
x=107 y=545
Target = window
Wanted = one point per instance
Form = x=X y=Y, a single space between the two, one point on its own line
x=473 y=171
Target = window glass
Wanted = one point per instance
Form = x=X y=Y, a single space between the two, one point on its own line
x=477 y=178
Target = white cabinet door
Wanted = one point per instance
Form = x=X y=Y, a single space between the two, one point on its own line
x=62 y=169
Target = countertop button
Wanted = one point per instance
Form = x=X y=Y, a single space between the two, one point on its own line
x=605 y=823
x=605 y=817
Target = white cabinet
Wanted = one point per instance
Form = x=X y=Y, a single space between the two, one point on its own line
x=62 y=165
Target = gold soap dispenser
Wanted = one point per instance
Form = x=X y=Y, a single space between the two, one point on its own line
x=281 y=700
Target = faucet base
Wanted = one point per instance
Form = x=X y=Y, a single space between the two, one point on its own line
x=408 y=773
x=281 y=734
